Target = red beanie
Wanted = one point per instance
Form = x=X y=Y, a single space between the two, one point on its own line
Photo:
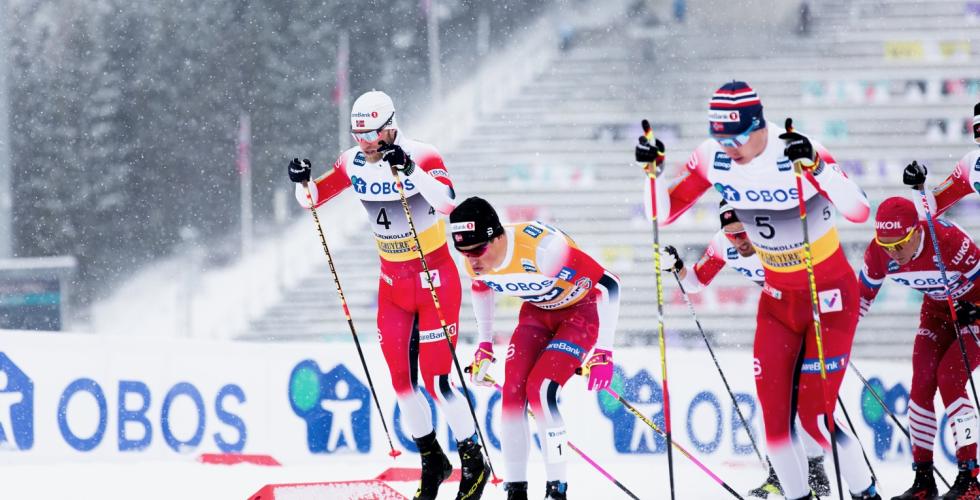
x=896 y=217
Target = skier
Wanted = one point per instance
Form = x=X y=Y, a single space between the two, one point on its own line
x=751 y=165
x=571 y=304
x=409 y=330
x=731 y=246
x=964 y=180
x=903 y=251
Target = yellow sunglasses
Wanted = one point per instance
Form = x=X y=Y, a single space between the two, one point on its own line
x=896 y=245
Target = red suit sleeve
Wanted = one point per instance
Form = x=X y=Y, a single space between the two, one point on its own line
x=832 y=183
x=711 y=263
x=685 y=189
x=433 y=180
x=327 y=186
x=959 y=251
x=955 y=187
x=872 y=275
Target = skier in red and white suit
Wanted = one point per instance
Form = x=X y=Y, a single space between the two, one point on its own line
x=571 y=304
x=751 y=165
x=903 y=251
x=731 y=247
x=409 y=330
x=964 y=180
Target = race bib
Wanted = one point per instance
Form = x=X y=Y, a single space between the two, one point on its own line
x=555 y=445
x=966 y=429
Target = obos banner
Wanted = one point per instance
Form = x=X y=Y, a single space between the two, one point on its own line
x=79 y=397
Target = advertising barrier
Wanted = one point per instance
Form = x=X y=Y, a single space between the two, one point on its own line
x=81 y=397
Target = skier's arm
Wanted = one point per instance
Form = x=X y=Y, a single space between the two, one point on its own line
x=325 y=187
x=483 y=309
x=957 y=185
x=608 y=308
x=432 y=180
x=960 y=253
x=676 y=195
x=871 y=277
x=684 y=190
x=849 y=199
x=710 y=264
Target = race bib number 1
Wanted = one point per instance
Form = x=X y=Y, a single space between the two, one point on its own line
x=555 y=445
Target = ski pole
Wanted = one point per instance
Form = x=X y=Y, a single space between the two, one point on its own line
x=571 y=445
x=738 y=409
x=850 y=424
x=815 y=306
x=636 y=413
x=350 y=322
x=651 y=169
x=892 y=415
x=673 y=444
x=442 y=319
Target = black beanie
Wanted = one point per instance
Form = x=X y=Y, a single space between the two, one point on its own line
x=727 y=213
x=473 y=222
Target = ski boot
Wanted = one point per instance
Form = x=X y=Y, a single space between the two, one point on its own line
x=817 y=478
x=923 y=486
x=965 y=487
x=555 y=490
x=436 y=467
x=770 y=487
x=516 y=491
x=474 y=469
x=869 y=494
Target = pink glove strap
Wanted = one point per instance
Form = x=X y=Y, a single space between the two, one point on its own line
x=483 y=351
x=600 y=367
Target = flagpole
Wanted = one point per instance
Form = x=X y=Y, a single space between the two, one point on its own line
x=244 y=161
x=432 y=31
x=342 y=92
x=6 y=166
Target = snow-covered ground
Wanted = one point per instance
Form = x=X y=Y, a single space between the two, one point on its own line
x=647 y=478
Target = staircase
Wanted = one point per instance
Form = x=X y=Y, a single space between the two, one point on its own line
x=878 y=83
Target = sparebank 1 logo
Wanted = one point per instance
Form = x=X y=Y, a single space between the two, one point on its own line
x=335 y=405
x=16 y=407
x=630 y=435
x=889 y=442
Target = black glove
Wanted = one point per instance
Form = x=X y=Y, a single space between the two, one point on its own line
x=299 y=171
x=967 y=313
x=647 y=154
x=799 y=150
x=396 y=157
x=671 y=253
x=914 y=175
